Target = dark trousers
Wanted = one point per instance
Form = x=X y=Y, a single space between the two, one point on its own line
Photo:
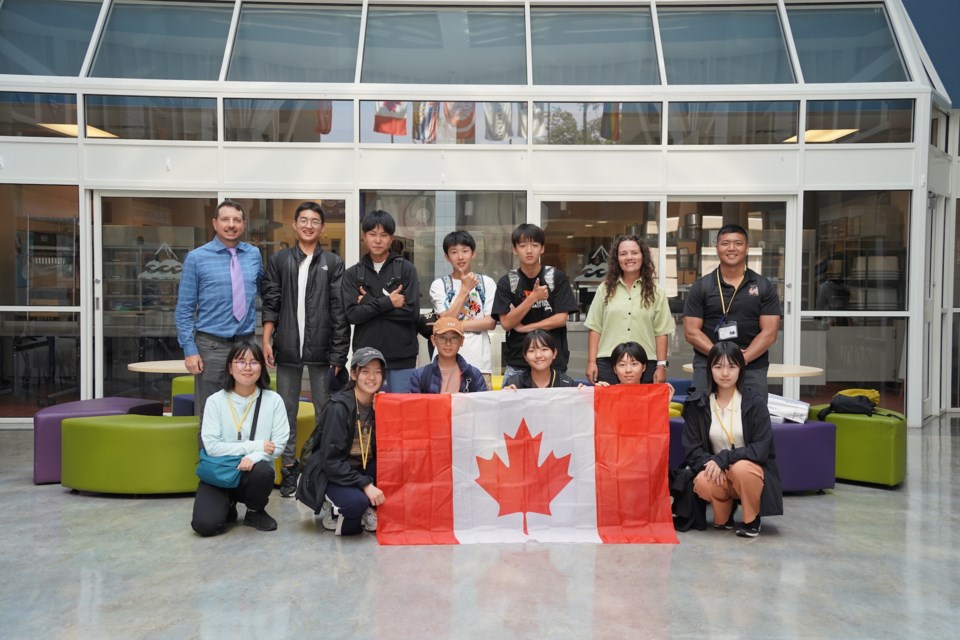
x=606 y=371
x=352 y=502
x=213 y=352
x=289 y=382
x=212 y=503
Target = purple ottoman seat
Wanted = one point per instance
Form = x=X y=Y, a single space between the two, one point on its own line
x=182 y=405
x=806 y=455
x=46 y=428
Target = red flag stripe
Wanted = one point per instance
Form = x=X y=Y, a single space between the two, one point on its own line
x=632 y=440
x=415 y=469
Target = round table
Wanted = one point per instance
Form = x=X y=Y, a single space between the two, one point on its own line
x=176 y=367
x=776 y=370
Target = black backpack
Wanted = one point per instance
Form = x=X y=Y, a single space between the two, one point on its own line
x=850 y=404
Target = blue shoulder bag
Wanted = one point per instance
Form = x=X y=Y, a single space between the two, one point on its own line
x=222 y=471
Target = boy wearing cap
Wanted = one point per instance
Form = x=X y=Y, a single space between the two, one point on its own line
x=449 y=372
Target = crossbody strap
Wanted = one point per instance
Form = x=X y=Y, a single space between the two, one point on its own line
x=256 y=414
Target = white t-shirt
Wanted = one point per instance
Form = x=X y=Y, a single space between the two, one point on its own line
x=302 y=297
x=476 y=348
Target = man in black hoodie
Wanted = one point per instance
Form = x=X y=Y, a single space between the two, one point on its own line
x=381 y=296
x=303 y=315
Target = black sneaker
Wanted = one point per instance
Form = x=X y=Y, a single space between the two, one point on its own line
x=232 y=514
x=259 y=520
x=749 y=529
x=728 y=525
x=288 y=482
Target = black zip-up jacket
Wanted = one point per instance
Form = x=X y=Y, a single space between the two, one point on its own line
x=326 y=334
x=376 y=322
x=758 y=445
x=339 y=431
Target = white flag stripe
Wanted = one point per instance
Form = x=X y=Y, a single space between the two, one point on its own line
x=565 y=420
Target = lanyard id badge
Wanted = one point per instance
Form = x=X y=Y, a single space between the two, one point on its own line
x=727 y=330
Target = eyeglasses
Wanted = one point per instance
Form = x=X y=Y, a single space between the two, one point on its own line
x=310 y=222
x=246 y=364
x=448 y=339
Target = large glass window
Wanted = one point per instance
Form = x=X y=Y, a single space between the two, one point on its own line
x=152 y=118
x=855 y=251
x=445 y=45
x=724 y=46
x=733 y=122
x=861 y=353
x=45 y=37
x=39 y=360
x=447 y=122
x=425 y=217
x=166 y=40
x=597 y=46
x=845 y=44
x=39 y=258
x=38 y=115
x=296 y=43
x=859 y=121
x=579 y=123
x=247 y=120
x=271 y=223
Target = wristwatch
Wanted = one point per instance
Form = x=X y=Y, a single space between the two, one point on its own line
x=663 y=363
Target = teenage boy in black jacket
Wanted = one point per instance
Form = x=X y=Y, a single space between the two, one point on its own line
x=303 y=315
x=381 y=296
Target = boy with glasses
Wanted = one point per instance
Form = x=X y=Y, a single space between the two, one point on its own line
x=303 y=324
x=449 y=372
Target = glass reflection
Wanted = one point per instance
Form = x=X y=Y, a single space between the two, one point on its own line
x=45 y=37
x=596 y=47
x=855 y=251
x=709 y=123
x=859 y=121
x=443 y=122
x=151 y=118
x=246 y=120
x=595 y=123
x=41 y=115
x=863 y=353
x=39 y=361
x=39 y=251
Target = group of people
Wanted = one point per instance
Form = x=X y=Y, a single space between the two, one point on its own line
x=310 y=301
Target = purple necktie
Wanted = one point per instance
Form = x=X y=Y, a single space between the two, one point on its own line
x=236 y=280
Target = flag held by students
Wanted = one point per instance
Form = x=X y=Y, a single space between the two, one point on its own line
x=553 y=465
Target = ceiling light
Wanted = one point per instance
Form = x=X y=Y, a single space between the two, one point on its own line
x=823 y=135
x=73 y=130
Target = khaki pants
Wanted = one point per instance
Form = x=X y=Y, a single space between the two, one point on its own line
x=743 y=481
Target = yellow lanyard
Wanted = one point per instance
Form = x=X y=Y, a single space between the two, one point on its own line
x=723 y=305
x=364 y=448
x=233 y=412
x=719 y=413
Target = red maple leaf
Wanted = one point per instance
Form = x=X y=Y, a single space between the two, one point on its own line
x=525 y=486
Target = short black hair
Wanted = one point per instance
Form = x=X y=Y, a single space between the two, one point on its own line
x=230 y=203
x=632 y=349
x=455 y=238
x=539 y=336
x=725 y=350
x=528 y=232
x=732 y=228
x=239 y=348
x=378 y=218
x=310 y=206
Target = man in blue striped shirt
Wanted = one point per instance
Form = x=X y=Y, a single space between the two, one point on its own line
x=207 y=324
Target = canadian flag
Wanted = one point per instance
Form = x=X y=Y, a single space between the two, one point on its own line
x=391 y=117
x=552 y=465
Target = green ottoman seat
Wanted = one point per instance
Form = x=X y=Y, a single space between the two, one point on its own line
x=130 y=454
x=306 y=422
x=869 y=448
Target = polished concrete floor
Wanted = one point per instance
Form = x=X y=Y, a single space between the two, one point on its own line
x=858 y=562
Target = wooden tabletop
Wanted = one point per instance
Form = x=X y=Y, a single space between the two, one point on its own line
x=777 y=370
x=159 y=366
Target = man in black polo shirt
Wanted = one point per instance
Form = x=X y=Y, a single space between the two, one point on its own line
x=732 y=303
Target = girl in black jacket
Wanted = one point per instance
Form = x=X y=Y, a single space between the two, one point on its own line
x=348 y=448
x=729 y=444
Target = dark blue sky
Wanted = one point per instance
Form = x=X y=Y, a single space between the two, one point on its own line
x=936 y=22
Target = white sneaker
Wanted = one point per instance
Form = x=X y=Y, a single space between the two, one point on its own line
x=332 y=523
x=369 y=519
